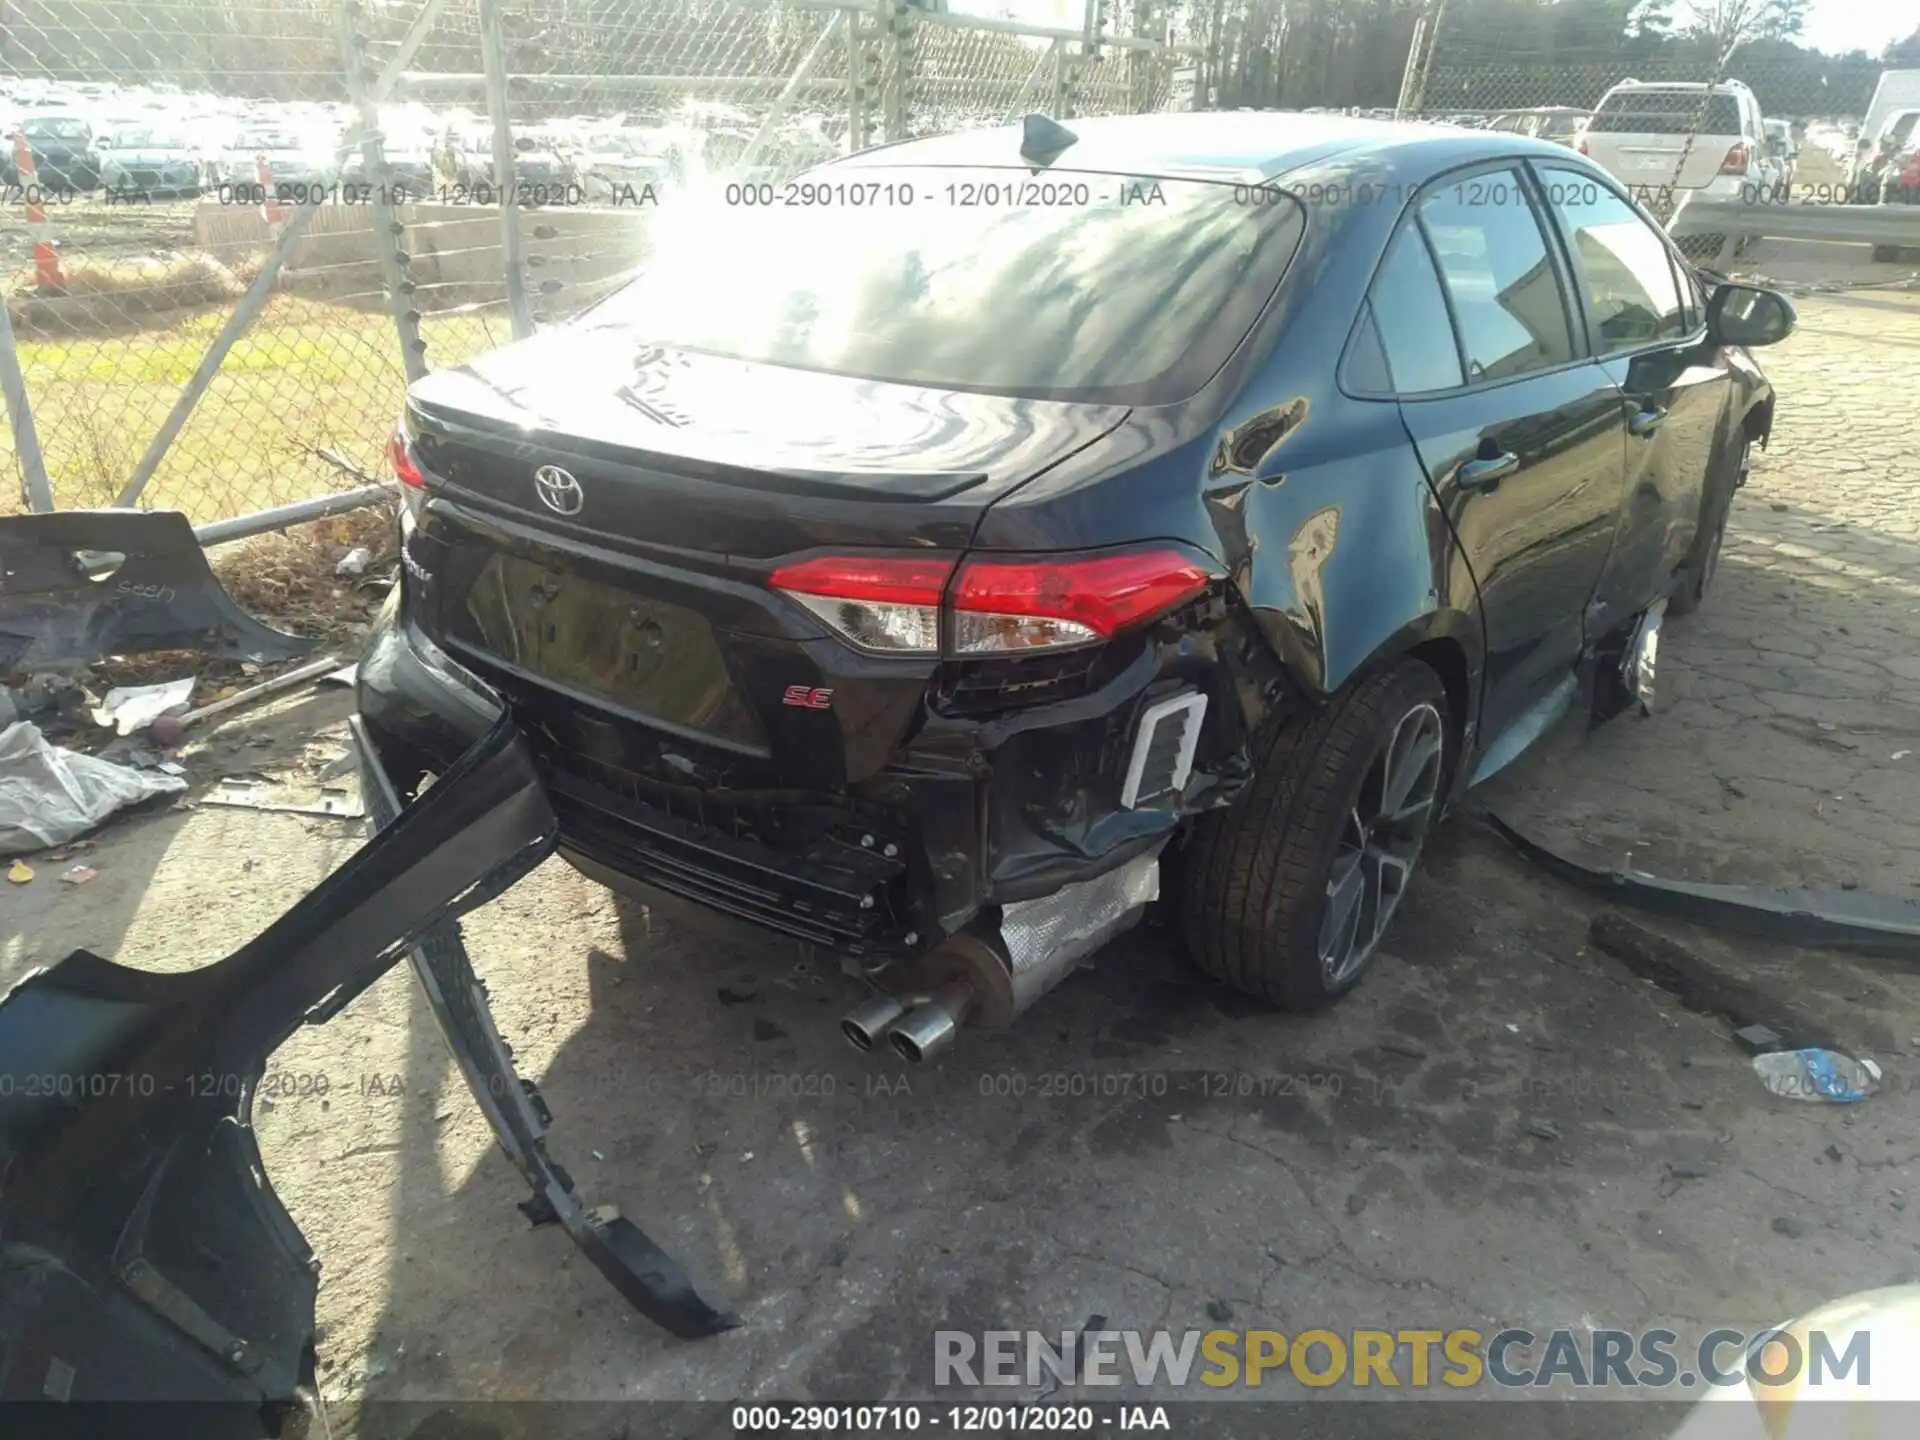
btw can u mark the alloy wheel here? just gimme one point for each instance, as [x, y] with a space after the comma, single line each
[1380, 841]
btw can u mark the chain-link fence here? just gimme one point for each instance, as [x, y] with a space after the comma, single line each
[1775, 153]
[217, 290]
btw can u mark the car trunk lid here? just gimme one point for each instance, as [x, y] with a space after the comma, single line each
[602, 520]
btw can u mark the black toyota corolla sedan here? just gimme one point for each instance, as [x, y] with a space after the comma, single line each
[942, 557]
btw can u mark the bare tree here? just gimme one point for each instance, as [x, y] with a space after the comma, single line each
[1729, 24]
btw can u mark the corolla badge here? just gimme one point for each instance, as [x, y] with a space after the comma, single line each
[558, 490]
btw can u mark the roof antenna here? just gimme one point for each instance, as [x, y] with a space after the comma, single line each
[1044, 140]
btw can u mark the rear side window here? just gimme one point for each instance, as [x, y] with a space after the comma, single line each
[1410, 314]
[1666, 112]
[1624, 266]
[1507, 301]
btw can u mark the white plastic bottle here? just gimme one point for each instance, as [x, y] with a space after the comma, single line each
[1819, 1075]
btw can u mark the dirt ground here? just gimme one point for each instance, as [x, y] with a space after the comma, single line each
[1503, 1126]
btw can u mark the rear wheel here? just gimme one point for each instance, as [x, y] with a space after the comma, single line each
[1287, 893]
[1696, 578]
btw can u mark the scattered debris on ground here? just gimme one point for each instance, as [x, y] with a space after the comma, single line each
[49, 795]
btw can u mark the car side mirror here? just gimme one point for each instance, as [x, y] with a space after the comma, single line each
[1747, 315]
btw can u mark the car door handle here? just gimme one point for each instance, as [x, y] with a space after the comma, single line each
[1486, 474]
[1647, 421]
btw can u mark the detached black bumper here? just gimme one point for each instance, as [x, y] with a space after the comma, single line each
[650, 1279]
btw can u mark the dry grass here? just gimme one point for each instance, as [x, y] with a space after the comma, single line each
[288, 578]
[306, 377]
[108, 296]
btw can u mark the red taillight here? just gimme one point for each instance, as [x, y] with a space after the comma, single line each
[1582, 146]
[997, 606]
[400, 457]
[1736, 161]
[885, 603]
[1043, 602]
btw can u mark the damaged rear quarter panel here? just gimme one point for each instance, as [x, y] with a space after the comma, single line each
[1314, 502]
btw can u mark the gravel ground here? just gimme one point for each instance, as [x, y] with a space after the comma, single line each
[1503, 1126]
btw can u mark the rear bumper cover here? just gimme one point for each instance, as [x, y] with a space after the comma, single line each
[972, 813]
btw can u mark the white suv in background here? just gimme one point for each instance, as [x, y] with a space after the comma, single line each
[1640, 132]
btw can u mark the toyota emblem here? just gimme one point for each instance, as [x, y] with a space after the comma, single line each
[558, 490]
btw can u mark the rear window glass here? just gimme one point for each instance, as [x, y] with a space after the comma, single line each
[1666, 112]
[61, 129]
[1062, 286]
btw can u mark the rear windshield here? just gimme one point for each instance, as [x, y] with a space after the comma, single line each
[1666, 112]
[1059, 286]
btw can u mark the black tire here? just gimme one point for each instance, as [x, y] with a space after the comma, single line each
[1255, 882]
[1703, 561]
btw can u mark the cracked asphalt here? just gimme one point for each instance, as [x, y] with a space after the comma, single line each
[1504, 1126]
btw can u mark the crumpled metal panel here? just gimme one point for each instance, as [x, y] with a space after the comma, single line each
[1046, 938]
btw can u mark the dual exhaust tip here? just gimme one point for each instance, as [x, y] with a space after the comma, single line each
[917, 1032]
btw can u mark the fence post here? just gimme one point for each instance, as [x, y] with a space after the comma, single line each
[26, 440]
[251, 304]
[859, 74]
[896, 33]
[386, 221]
[493, 56]
[1403, 103]
[1426, 60]
[796, 82]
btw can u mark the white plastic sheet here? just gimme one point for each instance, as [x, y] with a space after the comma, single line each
[49, 795]
[134, 707]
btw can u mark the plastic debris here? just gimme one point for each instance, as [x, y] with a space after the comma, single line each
[78, 874]
[49, 795]
[354, 562]
[19, 872]
[128, 708]
[1818, 1075]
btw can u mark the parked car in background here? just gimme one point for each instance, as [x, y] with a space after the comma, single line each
[1710, 139]
[925, 620]
[545, 163]
[1561, 124]
[150, 161]
[629, 157]
[292, 157]
[410, 165]
[1683, 139]
[1783, 154]
[1897, 90]
[65, 151]
[1899, 184]
[1880, 150]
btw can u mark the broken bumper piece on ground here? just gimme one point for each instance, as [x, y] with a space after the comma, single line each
[652, 1281]
[143, 1254]
[1856, 921]
[85, 584]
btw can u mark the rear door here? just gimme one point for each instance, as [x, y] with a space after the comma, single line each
[1650, 337]
[1520, 433]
